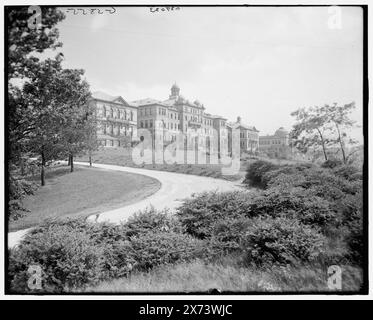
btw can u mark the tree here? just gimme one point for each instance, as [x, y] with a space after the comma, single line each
[22, 40]
[58, 99]
[49, 113]
[23, 43]
[324, 126]
[310, 129]
[78, 118]
[339, 117]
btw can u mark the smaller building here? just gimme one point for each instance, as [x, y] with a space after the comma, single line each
[249, 137]
[116, 120]
[277, 145]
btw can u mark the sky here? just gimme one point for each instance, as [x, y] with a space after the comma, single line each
[257, 63]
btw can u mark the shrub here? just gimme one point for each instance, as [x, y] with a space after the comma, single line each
[18, 189]
[67, 256]
[321, 182]
[327, 180]
[348, 172]
[74, 252]
[286, 170]
[151, 220]
[230, 230]
[256, 171]
[296, 202]
[281, 241]
[157, 248]
[355, 239]
[285, 181]
[227, 235]
[199, 213]
[351, 207]
[331, 163]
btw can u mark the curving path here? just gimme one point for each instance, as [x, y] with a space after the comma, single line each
[175, 187]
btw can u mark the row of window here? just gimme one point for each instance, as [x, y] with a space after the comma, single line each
[268, 142]
[192, 110]
[115, 129]
[149, 124]
[176, 115]
[161, 111]
[110, 143]
[251, 136]
[251, 144]
[116, 113]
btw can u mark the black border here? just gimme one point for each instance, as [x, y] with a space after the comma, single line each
[364, 290]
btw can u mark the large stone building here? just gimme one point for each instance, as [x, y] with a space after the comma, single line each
[177, 114]
[117, 120]
[276, 145]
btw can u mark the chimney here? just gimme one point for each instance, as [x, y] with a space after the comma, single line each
[238, 119]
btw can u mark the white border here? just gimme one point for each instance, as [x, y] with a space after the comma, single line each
[179, 297]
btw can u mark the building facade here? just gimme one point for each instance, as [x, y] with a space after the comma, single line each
[119, 122]
[249, 137]
[116, 120]
[177, 114]
[276, 145]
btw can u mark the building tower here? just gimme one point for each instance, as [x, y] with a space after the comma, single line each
[175, 91]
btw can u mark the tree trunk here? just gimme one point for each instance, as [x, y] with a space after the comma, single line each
[341, 144]
[90, 160]
[22, 167]
[71, 163]
[42, 172]
[323, 145]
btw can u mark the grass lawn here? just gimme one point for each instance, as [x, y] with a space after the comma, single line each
[84, 192]
[198, 276]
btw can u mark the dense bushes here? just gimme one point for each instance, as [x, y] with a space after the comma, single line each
[329, 197]
[156, 248]
[199, 213]
[295, 203]
[67, 256]
[305, 214]
[256, 171]
[348, 172]
[331, 163]
[151, 220]
[18, 189]
[281, 240]
[74, 252]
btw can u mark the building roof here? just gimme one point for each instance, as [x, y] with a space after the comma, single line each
[218, 117]
[144, 102]
[169, 102]
[279, 133]
[99, 95]
[246, 127]
[104, 96]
